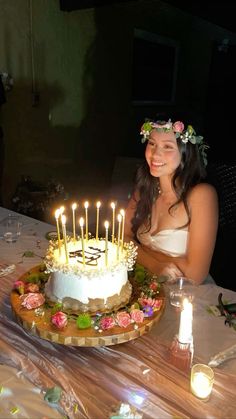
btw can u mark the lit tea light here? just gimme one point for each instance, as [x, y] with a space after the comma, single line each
[106, 224]
[57, 215]
[63, 222]
[113, 206]
[98, 205]
[119, 219]
[202, 379]
[74, 206]
[86, 205]
[81, 223]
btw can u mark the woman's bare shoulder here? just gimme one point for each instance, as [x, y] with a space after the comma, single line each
[203, 191]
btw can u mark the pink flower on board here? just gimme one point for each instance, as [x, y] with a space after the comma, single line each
[32, 300]
[178, 126]
[19, 286]
[123, 319]
[151, 302]
[107, 323]
[59, 320]
[153, 286]
[137, 315]
[29, 287]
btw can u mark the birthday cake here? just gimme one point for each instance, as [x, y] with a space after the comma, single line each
[91, 276]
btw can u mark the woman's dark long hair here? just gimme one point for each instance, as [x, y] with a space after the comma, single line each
[189, 173]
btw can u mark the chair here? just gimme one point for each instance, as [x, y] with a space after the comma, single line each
[223, 177]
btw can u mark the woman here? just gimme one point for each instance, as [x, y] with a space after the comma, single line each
[173, 215]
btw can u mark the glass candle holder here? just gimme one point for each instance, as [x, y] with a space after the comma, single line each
[202, 378]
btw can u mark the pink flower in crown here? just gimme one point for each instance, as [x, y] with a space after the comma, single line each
[32, 300]
[137, 315]
[107, 323]
[178, 126]
[29, 287]
[59, 320]
[123, 319]
[19, 286]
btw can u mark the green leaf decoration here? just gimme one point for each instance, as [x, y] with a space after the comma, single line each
[43, 277]
[28, 254]
[139, 268]
[53, 394]
[33, 278]
[83, 321]
[140, 277]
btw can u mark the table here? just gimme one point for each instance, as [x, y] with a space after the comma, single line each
[96, 380]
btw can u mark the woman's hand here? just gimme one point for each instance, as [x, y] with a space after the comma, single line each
[171, 271]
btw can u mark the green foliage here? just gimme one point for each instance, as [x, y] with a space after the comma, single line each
[83, 321]
[53, 394]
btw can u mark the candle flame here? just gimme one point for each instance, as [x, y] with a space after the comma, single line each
[122, 212]
[119, 218]
[62, 209]
[106, 224]
[81, 222]
[57, 213]
[113, 205]
[74, 206]
[63, 219]
[98, 204]
[86, 205]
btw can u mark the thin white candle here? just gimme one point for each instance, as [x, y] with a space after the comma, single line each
[97, 222]
[63, 222]
[119, 218]
[81, 223]
[186, 319]
[106, 224]
[86, 205]
[122, 212]
[113, 206]
[57, 215]
[74, 206]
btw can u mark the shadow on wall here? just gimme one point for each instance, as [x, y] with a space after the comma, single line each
[33, 146]
[105, 131]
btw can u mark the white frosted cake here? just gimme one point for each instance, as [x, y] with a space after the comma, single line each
[89, 280]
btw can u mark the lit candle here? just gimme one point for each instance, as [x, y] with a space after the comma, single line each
[122, 212]
[202, 378]
[97, 223]
[119, 218]
[86, 205]
[106, 224]
[81, 223]
[63, 222]
[113, 206]
[74, 206]
[57, 215]
[186, 319]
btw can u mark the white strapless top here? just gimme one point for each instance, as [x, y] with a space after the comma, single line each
[171, 242]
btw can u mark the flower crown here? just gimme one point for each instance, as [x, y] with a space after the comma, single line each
[186, 135]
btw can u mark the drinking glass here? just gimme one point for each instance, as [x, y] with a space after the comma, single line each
[180, 288]
[12, 228]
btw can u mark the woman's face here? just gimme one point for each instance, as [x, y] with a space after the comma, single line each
[162, 153]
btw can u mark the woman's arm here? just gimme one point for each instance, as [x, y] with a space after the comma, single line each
[154, 261]
[203, 202]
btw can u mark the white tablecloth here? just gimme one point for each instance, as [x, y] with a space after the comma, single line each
[101, 382]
